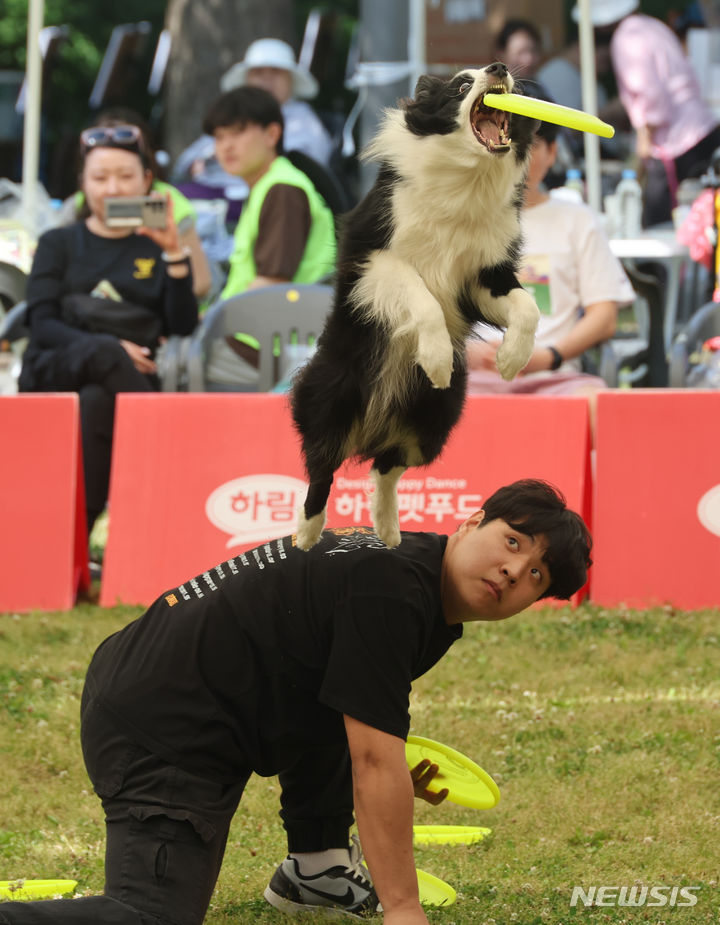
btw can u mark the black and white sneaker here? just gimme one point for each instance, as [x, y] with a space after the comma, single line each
[337, 891]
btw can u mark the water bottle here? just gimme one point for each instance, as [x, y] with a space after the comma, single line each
[574, 188]
[706, 374]
[629, 198]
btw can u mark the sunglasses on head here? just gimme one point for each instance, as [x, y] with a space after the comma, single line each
[123, 135]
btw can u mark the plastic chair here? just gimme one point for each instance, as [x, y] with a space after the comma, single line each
[13, 284]
[13, 325]
[601, 360]
[703, 324]
[13, 331]
[276, 316]
[171, 359]
[637, 358]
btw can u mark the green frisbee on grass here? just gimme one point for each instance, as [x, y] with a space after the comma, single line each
[467, 783]
[35, 889]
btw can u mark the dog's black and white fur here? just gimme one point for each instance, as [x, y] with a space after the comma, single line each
[430, 251]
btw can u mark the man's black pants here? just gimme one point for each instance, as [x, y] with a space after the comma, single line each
[167, 828]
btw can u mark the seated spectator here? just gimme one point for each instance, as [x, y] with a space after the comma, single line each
[561, 79]
[183, 210]
[286, 231]
[100, 299]
[271, 65]
[519, 46]
[577, 284]
[676, 131]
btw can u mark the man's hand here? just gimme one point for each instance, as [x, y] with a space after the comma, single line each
[481, 355]
[383, 796]
[422, 774]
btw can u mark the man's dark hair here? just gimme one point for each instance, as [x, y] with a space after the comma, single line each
[516, 25]
[244, 106]
[534, 507]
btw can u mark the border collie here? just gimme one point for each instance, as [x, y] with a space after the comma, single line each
[430, 251]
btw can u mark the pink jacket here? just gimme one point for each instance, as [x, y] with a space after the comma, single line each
[658, 87]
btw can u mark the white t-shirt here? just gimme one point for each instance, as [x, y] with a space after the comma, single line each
[566, 264]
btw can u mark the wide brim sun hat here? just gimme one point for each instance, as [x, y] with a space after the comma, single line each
[271, 53]
[606, 12]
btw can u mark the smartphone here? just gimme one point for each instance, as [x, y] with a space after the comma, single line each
[133, 211]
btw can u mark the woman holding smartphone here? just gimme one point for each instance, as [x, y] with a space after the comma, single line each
[100, 299]
[75, 207]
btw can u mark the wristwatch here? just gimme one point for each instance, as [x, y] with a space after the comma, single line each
[557, 359]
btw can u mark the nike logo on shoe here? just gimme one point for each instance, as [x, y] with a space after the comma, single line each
[346, 899]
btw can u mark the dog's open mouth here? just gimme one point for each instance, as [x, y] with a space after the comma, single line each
[490, 126]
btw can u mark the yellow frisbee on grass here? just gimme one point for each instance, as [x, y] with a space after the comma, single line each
[467, 783]
[434, 891]
[35, 889]
[449, 834]
[549, 112]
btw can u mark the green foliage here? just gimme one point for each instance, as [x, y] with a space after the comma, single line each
[66, 94]
[92, 23]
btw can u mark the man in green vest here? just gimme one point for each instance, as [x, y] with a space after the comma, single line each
[286, 232]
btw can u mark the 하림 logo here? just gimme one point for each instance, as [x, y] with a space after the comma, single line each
[256, 507]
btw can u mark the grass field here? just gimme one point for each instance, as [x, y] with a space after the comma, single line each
[601, 728]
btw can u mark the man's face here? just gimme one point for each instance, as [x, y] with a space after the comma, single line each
[491, 572]
[542, 157]
[245, 151]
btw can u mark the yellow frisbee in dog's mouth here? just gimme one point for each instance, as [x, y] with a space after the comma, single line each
[35, 889]
[490, 126]
[549, 112]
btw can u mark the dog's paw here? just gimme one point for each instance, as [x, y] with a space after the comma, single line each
[435, 357]
[384, 506]
[513, 355]
[309, 531]
[388, 534]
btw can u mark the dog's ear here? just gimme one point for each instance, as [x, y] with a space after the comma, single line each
[433, 110]
[427, 85]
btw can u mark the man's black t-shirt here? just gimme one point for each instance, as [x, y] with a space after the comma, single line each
[253, 661]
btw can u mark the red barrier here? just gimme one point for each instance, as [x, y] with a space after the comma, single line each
[43, 540]
[657, 499]
[198, 478]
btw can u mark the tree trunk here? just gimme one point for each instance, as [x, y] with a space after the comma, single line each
[208, 37]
